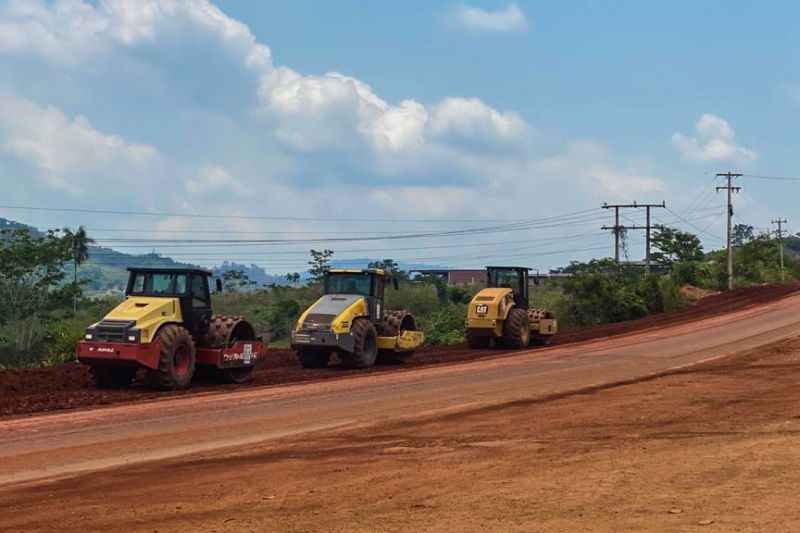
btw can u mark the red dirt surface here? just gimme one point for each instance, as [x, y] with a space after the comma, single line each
[69, 386]
[711, 448]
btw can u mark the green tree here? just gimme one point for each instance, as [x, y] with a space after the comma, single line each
[758, 260]
[741, 233]
[391, 267]
[236, 281]
[79, 243]
[293, 277]
[320, 262]
[31, 285]
[675, 246]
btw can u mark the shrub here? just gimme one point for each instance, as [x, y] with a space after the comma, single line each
[62, 339]
[446, 326]
[419, 300]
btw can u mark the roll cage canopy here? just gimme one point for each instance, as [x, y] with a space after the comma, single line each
[178, 282]
[512, 277]
[366, 282]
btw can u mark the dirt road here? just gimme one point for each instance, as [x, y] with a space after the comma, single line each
[68, 386]
[344, 455]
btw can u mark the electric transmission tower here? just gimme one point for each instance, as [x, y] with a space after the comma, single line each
[619, 231]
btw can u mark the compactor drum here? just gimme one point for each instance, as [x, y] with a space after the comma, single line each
[500, 312]
[165, 326]
[350, 320]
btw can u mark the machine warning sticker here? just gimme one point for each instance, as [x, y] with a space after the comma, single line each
[248, 353]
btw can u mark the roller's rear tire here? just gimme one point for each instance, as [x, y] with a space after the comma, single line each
[365, 351]
[236, 375]
[476, 341]
[112, 378]
[176, 361]
[517, 329]
[388, 357]
[541, 340]
[313, 359]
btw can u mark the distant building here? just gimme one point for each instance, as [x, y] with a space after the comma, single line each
[456, 277]
[475, 277]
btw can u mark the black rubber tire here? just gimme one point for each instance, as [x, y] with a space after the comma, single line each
[310, 358]
[540, 340]
[516, 329]
[236, 375]
[106, 377]
[389, 357]
[173, 373]
[475, 341]
[365, 351]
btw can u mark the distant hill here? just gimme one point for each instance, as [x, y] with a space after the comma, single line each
[107, 273]
[253, 272]
[12, 224]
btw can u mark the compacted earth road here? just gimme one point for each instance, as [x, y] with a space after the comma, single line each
[681, 426]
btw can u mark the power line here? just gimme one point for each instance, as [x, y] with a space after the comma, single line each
[776, 178]
[183, 243]
[701, 230]
[259, 217]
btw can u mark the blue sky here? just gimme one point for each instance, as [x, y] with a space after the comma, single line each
[442, 111]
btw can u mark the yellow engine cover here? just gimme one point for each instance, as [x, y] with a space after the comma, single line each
[489, 308]
[149, 313]
[334, 312]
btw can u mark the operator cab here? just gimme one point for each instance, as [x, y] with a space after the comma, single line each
[188, 285]
[361, 282]
[369, 283]
[514, 278]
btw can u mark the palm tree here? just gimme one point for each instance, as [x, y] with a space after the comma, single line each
[79, 243]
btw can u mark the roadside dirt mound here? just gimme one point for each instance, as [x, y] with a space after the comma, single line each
[690, 294]
[69, 385]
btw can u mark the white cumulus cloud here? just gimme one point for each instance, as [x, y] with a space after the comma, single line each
[714, 142]
[335, 110]
[63, 148]
[73, 31]
[212, 180]
[620, 184]
[509, 20]
[284, 143]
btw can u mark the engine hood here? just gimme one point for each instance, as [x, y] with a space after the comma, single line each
[332, 312]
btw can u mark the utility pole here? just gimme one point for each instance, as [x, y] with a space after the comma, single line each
[729, 176]
[618, 230]
[647, 233]
[779, 232]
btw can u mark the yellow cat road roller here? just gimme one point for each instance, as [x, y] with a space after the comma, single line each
[501, 312]
[165, 326]
[350, 320]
